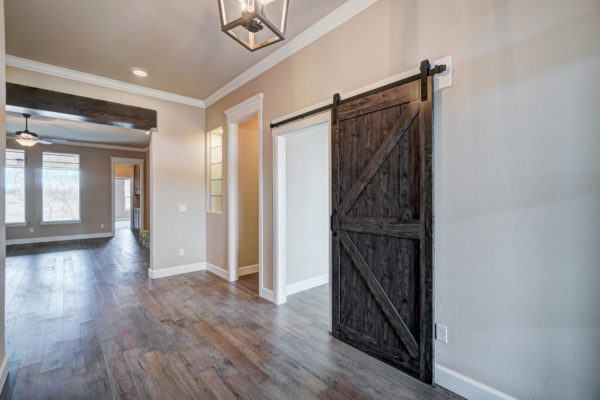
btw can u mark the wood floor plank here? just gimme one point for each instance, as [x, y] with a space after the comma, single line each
[83, 321]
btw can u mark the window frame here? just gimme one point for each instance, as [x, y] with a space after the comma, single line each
[65, 222]
[209, 163]
[24, 222]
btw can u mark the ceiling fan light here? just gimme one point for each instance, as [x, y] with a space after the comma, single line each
[244, 21]
[26, 142]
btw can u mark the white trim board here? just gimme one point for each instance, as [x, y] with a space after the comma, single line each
[53, 70]
[440, 81]
[301, 286]
[326, 24]
[218, 271]
[248, 269]
[154, 273]
[467, 387]
[59, 238]
[3, 372]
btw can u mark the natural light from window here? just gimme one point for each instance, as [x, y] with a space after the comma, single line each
[15, 186]
[60, 187]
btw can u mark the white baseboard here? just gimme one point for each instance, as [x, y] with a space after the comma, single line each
[467, 387]
[3, 372]
[248, 269]
[59, 238]
[178, 270]
[267, 294]
[218, 271]
[306, 284]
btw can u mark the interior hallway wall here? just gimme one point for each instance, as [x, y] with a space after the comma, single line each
[517, 174]
[307, 204]
[248, 193]
[176, 167]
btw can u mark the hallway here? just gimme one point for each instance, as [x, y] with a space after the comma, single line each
[84, 321]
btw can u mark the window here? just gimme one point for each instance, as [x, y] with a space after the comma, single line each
[15, 186]
[215, 170]
[127, 192]
[60, 187]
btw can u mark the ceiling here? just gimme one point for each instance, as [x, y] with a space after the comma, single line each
[52, 128]
[179, 43]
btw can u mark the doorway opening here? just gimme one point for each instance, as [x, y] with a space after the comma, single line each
[127, 194]
[302, 206]
[245, 196]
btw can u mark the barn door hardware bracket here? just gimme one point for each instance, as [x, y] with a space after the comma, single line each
[426, 71]
[336, 103]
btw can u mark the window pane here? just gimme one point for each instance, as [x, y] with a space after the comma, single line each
[215, 171]
[216, 203]
[15, 186]
[216, 155]
[215, 139]
[60, 187]
[215, 187]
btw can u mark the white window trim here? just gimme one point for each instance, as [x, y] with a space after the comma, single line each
[65, 222]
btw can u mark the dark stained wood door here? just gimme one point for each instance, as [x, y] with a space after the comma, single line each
[382, 226]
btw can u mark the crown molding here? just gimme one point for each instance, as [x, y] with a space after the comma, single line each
[35, 66]
[326, 24]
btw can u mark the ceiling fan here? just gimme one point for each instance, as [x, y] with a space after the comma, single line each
[27, 138]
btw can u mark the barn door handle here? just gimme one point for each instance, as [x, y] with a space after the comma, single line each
[335, 224]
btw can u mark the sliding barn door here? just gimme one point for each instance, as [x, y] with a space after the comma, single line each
[382, 225]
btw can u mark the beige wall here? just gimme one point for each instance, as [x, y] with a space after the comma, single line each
[516, 174]
[248, 193]
[124, 170]
[2, 161]
[95, 191]
[176, 167]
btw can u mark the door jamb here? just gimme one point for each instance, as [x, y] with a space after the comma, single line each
[236, 115]
[279, 198]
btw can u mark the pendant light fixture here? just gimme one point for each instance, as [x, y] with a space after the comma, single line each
[254, 23]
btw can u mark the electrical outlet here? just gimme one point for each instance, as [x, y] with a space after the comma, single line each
[31, 230]
[182, 208]
[181, 252]
[441, 333]
[102, 226]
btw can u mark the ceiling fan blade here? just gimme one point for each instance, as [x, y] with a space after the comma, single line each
[55, 140]
[12, 137]
[41, 141]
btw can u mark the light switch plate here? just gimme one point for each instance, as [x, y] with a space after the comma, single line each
[445, 79]
[441, 333]
[181, 252]
[182, 208]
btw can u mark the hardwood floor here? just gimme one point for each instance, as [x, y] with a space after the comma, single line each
[84, 321]
[249, 282]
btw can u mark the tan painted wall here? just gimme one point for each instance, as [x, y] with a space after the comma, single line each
[516, 174]
[176, 167]
[124, 170]
[95, 191]
[248, 193]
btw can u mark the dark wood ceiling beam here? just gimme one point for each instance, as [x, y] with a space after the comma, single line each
[48, 103]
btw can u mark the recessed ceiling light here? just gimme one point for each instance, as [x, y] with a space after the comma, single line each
[139, 72]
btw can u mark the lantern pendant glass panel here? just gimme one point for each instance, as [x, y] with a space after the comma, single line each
[254, 23]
